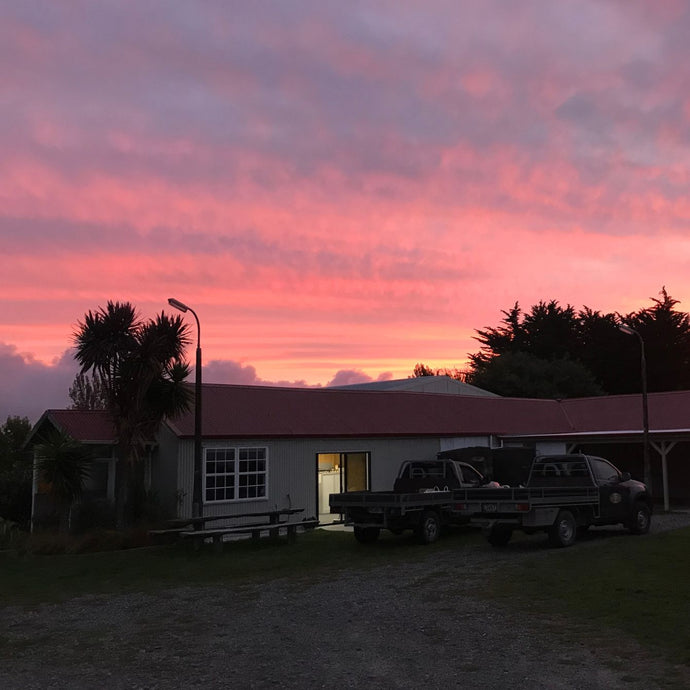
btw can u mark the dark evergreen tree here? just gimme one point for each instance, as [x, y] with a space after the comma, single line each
[592, 340]
[666, 335]
[16, 465]
[524, 375]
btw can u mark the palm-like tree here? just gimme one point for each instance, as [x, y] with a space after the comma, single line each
[142, 365]
[63, 465]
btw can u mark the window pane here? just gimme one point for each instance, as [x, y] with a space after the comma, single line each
[235, 473]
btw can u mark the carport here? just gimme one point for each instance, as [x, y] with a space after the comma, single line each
[611, 426]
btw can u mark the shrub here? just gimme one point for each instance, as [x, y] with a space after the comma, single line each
[52, 543]
[94, 514]
[11, 536]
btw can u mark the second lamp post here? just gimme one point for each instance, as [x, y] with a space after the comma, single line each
[645, 410]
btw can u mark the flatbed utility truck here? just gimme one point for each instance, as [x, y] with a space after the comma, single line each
[563, 495]
[422, 500]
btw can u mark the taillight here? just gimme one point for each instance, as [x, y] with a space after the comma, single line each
[522, 507]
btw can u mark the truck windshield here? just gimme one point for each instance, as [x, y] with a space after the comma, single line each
[424, 470]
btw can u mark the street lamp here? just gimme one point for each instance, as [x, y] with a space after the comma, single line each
[645, 410]
[196, 487]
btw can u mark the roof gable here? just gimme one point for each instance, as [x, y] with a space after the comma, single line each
[421, 384]
[87, 426]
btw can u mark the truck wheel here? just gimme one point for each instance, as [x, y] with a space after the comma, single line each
[429, 528]
[641, 519]
[499, 536]
[366, 535]
[563, 532]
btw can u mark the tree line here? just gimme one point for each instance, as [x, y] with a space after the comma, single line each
[556, 351]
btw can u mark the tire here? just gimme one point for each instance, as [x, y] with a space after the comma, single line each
[366, 535]
[641, 518]
[563, 532]
[499, 536]
[429, 528]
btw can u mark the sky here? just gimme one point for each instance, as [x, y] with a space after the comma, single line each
[339, 189]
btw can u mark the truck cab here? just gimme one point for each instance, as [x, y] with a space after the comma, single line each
[436, 475]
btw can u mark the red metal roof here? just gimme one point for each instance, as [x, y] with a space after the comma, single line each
[82, 425]
[667, 412]
[258, 411]
[233, 411]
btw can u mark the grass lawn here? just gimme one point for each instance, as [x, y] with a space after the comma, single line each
[31, 579]
[637, 585]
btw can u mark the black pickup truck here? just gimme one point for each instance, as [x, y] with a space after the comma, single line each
[564, 495]
[422, 500]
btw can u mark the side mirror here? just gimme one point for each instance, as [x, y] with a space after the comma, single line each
[625, 477]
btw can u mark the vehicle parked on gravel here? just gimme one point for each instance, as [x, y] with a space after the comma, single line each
[564, 495]
[422, 500]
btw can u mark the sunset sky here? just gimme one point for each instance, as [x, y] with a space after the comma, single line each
[339, 189]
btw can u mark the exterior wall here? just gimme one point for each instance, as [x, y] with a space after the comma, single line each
[164, 472]
[293, 472]
[386, 454]
[551, 447]
[291, 477]
[292, 468]
[452, 443]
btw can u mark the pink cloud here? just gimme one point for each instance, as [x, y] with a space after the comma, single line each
[29, 387]
[347, 188]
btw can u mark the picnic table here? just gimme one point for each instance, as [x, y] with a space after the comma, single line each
[268, 521]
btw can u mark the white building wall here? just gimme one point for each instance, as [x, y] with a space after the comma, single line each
[293, 472]
[292, 468]
[465, 442]
[551, 447]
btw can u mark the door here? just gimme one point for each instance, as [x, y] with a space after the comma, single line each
[339, 473]
[614, 502]
[354, 468]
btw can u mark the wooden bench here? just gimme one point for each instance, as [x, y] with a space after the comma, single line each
[200, 522]
[255, 530]
[178, 527]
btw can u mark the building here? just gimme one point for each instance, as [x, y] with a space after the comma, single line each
[267, 447]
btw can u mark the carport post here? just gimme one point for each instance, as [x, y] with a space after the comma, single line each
[664, 448]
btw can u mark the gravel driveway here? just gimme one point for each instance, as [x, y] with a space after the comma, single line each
[381, 629]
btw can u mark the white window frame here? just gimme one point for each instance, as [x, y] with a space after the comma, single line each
[233, 454]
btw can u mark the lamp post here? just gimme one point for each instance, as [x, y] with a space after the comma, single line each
[645, 410]
[196, 487]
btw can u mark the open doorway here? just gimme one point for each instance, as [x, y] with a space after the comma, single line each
[339, 473]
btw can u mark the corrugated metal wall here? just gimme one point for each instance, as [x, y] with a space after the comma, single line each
[292, 469]
[164, 473]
